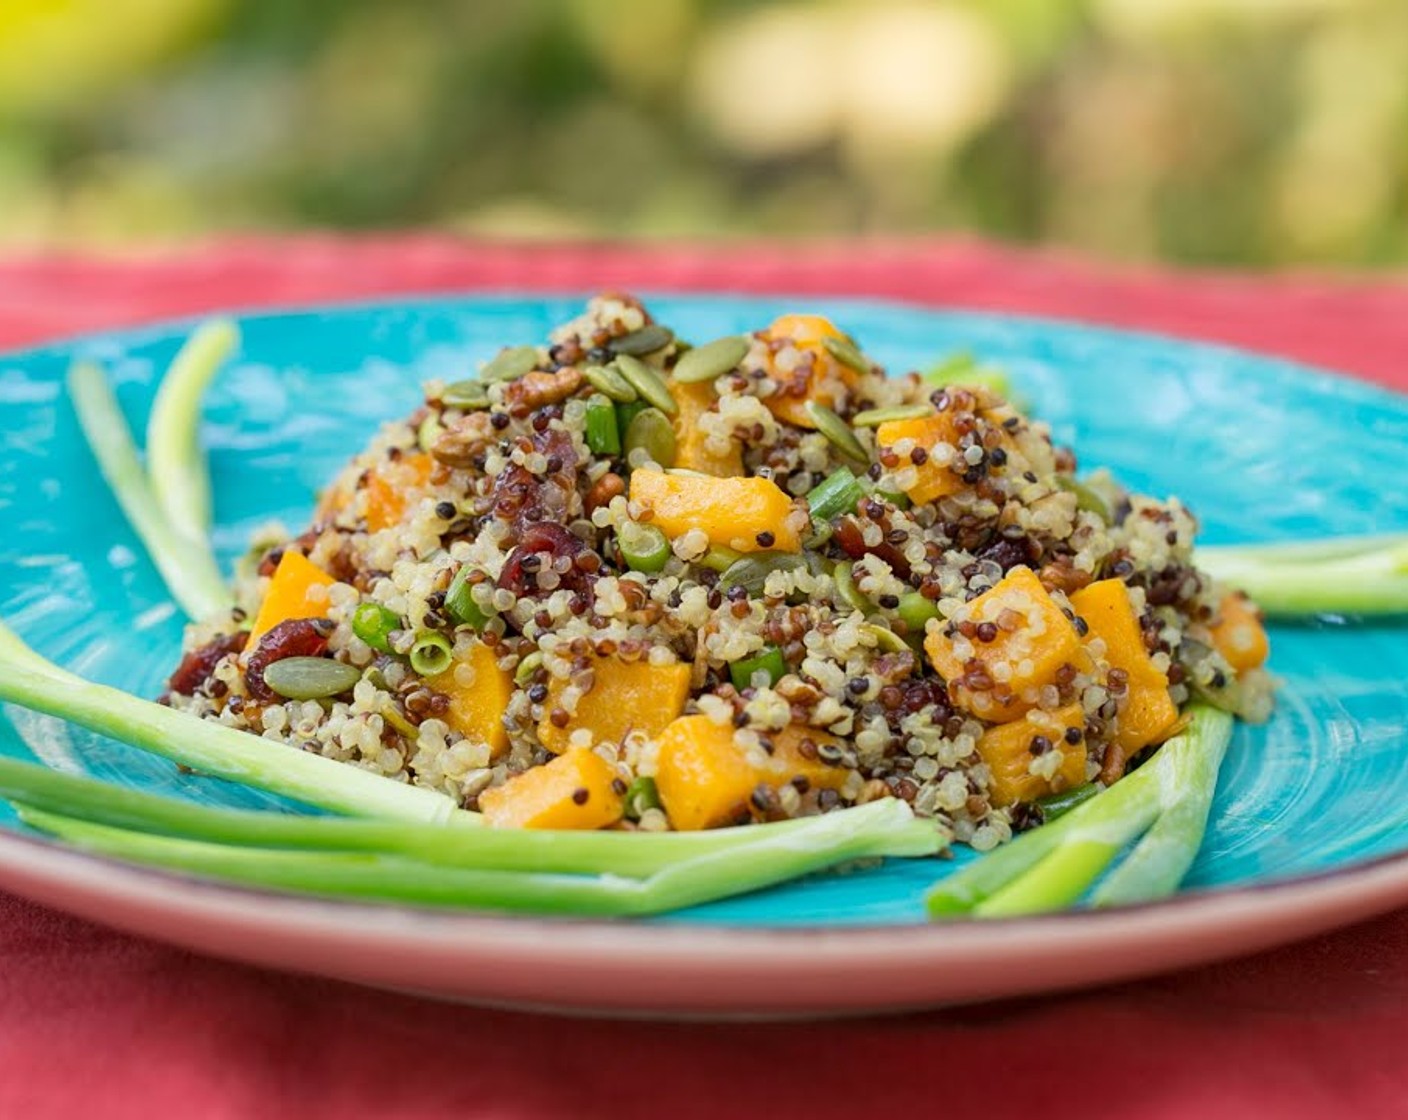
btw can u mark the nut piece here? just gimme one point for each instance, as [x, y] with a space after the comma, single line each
[457, 445]
[608, 486]
[536, 389]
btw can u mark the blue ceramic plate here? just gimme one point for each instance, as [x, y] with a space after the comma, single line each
[1260, 449]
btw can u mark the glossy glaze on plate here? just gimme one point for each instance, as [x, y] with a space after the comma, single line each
[1260, 449]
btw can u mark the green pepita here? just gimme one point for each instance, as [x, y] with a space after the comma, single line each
[510, 364]
[650, 431]
[392, 715]
[712, 360]
[428, 432]
[609, 383]
[469, 396]
[310, 678]
[645, 381]
[846, 588]
[847, 353]
[527, 668]
[874, 417]
[1086, 498]
[837, 431]
[752, 571]
[646, 340]
[885, 639]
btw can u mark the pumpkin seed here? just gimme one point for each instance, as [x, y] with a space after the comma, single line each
[428, 432]
[848, 591]
[647, 340]
[610, 383]
[847, 353]
[650, 431]
[470, 396]
[392, 715]
[527, 668]
[647, 383]
[510, 364]
[713, 359]
[874, 417]
[1086, 498]
[720, 558]
[752, 571]
[837, 431]
[885, 638]
[310, 678]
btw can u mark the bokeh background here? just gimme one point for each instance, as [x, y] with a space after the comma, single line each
[1225, 132]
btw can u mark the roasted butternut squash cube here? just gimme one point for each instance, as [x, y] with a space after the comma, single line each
[1238, 633]
[825, 382]
[297, 589]
[391, 487]
[1012, 750]
[574, 790]
[1148, 713]
[705, 779]
[1032, 640]
[934, 477]
[479, 693]
[625, 696]
[693, 450]
[732, 512]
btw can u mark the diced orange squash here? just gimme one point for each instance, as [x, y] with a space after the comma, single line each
[574, 790]
[297, 589]
[706, 780]
[827, 378]
[391, 486]
[625, 696]
[1238, 633]
[1149, 712]
[1034, 640]
[1007, 750]
[934, 479]
[479, 692]
[732, 512]
[692, 450]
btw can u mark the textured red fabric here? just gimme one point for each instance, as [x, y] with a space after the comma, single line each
[95, 1023]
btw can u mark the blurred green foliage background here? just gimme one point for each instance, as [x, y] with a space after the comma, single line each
[1262, 132]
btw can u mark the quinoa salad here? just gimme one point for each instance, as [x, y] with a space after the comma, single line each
[616, 580]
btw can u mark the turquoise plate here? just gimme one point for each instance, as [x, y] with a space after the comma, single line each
[1260, 449]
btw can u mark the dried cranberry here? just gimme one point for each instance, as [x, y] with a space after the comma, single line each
[851, 538]
[196, 666]
[541, 538]
[1007, 553]
[298, 637]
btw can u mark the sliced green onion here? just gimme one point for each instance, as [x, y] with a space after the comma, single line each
[185, 563]
[431, 654]
[176, 464]
[460, 604]
[644, 548]
[374, 623]
[885, 827]
[641, 795]
[211, 748]
[603, 436]
[836, 494]
[769, 660]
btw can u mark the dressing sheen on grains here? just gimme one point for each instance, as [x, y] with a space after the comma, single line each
[763, 590]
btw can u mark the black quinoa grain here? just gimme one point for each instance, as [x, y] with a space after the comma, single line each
[986, 632]
[1040, 745]
[765, 539]
[500, 420]
[581, 795]
[858, 685]
[1074, 735]
[538, 693]
[445, 511]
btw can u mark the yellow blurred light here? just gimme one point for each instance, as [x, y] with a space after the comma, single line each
[1138, 20]
[640, 42]
[920, 75]
[55, 52]
[766, 81]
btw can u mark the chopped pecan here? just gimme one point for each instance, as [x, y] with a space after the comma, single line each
[464, 439]
[533, 390]
[1062, 575]
[608, 486]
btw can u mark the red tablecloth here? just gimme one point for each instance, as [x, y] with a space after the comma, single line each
[94, 1023]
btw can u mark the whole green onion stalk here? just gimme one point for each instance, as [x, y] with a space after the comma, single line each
[1344, 575]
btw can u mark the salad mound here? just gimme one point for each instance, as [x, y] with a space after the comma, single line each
[616, 580]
